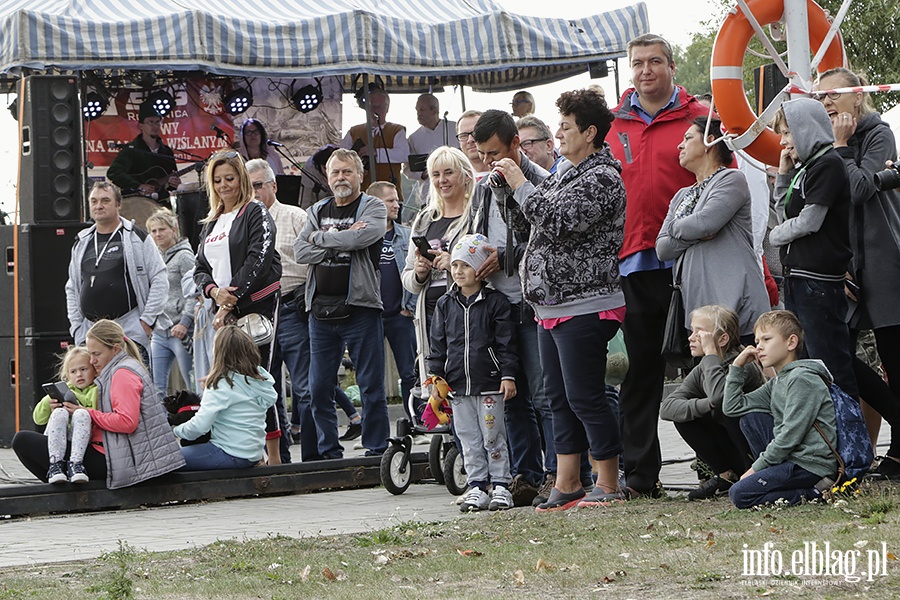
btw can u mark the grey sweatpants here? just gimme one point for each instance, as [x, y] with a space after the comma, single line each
[481, 429]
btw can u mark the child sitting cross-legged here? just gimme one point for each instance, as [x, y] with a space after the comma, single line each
[472, 348]
[794, 461]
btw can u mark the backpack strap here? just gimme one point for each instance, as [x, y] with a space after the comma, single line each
[841, 474]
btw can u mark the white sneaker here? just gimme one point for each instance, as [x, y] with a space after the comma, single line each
[461, 499]
[476, 499]
[501, 498]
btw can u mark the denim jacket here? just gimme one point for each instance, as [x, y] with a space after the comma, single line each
[401, 248]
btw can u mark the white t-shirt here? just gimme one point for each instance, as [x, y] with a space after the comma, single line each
[216, 250]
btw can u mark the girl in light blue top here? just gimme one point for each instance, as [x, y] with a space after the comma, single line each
[233, 410]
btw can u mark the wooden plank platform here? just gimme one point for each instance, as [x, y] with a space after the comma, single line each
[294, 478]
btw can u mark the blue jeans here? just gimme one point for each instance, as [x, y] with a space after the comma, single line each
[522, 411]
[821, 307]
[363, 335]
[293, 343]
[401, 335]
[165, 348]
[573, 356]
[785, 481]
[203, 457]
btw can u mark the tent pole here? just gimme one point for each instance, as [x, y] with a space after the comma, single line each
[369, 135]
[462, 96]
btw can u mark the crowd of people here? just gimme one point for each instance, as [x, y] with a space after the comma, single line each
[507, 274]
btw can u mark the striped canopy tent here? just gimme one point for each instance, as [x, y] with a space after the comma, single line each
[410, 43]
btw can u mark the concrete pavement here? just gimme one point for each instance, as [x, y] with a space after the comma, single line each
[61, 538]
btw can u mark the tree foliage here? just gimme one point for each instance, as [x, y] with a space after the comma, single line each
[870, 37]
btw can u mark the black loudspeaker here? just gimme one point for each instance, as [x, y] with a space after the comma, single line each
[7, 279]
[38, 363]
[769, 82]
[51, 187]
[42, 271]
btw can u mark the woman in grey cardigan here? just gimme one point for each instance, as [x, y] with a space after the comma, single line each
[708, 232]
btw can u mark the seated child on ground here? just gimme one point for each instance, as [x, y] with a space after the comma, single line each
[794, 461]
[76, 371]
[472, 347]
[696, 406]
[233, 410]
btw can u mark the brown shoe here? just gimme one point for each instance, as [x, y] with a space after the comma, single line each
[543, 493]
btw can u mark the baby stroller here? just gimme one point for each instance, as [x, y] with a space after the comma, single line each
[444, 458]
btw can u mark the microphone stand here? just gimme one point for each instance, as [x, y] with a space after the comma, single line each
[387, 153]
[317, 187]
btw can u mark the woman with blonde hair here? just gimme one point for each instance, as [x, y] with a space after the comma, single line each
[238, 267]
[174, 325]
[445, 219]
[129, 425]
[238, 394]
[696, 406]
[522, 104]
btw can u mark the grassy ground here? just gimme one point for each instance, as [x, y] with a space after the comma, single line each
[643, 549]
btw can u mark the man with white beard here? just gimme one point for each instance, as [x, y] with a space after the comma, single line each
[341, 242]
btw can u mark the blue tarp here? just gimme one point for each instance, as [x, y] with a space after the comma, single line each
[474, 42]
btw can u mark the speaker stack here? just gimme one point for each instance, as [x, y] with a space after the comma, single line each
[34, 326]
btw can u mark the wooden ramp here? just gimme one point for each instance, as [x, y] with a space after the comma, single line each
[294, 478]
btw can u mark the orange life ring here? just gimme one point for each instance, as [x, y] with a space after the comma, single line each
[726, 73]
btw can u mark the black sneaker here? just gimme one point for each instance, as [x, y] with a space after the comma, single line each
[523, 493]
[77, 474]
[655, 492]
[354, 430]
[57, 473]
[889, 468]
[710, 488]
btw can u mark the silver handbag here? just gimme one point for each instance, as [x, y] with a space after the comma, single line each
[258, 327]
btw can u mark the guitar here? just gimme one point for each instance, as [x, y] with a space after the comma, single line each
[158, 178]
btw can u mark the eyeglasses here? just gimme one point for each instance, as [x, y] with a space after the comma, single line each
[820, 96]
[464, 135]
[520, 101]
[257, 185]
[526, 144]
[252, 132]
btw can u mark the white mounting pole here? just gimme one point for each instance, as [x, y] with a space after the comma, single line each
[796, 21]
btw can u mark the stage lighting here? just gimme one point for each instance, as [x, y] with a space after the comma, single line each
[239, 100]
[162, 102]
[308, 98]
[94, 106]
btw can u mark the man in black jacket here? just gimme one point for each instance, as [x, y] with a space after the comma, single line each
[146, 166]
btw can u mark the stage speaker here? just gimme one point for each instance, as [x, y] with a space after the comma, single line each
[768, 82]
[51, 187]
[7, 293]
[42, 268]
[38, 363]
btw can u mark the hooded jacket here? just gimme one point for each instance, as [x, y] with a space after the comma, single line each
[234, 416]
[577, 219]
[472, 346]
[796, 398]
[650, 167]
[813, 245]
[146, 274]
[179, 259]
[874, 224]
[313, 245]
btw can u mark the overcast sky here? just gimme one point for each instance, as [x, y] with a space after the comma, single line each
[676, 21]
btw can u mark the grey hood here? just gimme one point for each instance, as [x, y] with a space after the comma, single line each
[809, 124]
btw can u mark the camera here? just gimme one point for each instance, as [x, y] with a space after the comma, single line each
[497, 180]
[884, 180]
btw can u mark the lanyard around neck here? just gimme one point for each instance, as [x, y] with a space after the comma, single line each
[99, 253]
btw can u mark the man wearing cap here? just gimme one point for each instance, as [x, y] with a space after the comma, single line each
[146, 166]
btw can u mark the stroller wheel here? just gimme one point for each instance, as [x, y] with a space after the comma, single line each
[395, 480]
[436, 457]
[454, 471]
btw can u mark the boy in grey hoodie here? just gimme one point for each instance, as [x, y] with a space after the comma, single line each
[793, 460]
[812, 201]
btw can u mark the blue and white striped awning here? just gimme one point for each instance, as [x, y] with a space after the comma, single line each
[451, 39]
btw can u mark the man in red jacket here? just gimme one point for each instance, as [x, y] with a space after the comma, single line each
[651, 119]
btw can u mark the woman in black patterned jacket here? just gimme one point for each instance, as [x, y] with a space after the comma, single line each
[570, 276]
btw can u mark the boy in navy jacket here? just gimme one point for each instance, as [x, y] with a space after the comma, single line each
[472, 347]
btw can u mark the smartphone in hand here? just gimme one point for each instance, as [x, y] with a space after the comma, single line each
[58, 391]
[424, 247]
